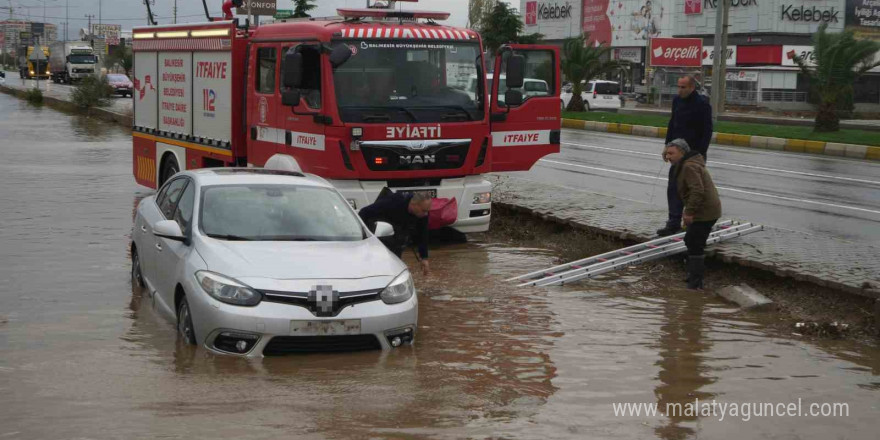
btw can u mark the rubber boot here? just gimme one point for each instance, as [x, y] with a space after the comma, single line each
[696, 271]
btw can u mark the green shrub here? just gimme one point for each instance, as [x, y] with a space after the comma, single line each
[34, 96]
[92, 92]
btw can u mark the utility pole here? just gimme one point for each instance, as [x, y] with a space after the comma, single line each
[67, 21]
[175, 11]
[100, 10]
[91, 40]
[719, 63]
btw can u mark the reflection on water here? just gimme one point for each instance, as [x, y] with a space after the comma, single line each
[683, 377]
[83, 355]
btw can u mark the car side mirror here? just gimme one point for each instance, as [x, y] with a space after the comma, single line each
[339, 55]
[293, 69]
[513, 98]
[168, 229]
[516, 71]
[384, 230]
[290, 98]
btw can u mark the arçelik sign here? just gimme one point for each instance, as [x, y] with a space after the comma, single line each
[546, 11]
[677, 52]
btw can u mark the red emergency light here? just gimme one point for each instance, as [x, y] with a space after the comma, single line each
[384, 13]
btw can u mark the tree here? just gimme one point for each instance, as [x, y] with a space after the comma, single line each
[583, 62]
[503, 25]
[477, 10]
[122, 56]
[840, 61]
[301, 8]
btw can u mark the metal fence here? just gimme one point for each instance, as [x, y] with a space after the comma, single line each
[770, 95]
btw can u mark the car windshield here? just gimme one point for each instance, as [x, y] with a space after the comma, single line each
[409, 81]
[83, 59]
[277, 213]
[119, 78]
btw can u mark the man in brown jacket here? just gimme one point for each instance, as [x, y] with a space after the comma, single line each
[702, 206]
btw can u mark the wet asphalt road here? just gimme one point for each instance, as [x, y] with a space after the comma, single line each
[83, 355]
[815, 194]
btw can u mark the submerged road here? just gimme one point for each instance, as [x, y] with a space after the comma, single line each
[816, 194]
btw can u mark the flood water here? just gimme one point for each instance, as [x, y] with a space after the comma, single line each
[83, 357]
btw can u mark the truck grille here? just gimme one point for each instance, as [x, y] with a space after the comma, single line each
[281, 345]
[436, 156]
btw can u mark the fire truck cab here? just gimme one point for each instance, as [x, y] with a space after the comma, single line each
[370, 99]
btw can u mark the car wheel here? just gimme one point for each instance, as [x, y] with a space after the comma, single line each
[169, 169]
[185, 324]
[137, 277]
[561, 105]
[587, 105]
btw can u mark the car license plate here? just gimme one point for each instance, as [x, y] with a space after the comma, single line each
[431, 192]
[607, 97]
[325, 328]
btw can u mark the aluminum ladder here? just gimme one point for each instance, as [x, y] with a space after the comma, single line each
[640, 253]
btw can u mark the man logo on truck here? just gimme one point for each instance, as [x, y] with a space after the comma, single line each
[414, 159]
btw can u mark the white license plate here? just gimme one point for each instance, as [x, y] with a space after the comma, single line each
[431, 192]
[607, 97]
[325, 328]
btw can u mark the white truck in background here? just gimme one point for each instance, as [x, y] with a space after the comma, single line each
[71, 60]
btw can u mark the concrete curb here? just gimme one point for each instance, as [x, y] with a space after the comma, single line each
[69, 107]
[853, 151]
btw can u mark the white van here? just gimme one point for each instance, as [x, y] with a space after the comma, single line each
[597, 94]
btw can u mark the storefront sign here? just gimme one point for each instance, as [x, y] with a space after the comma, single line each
[804, 52]
[793, 13]
[257, 7]
[743, 75]
[546, 11]
[631, 54]
[677, 52]
[712, 4]
[709, 56]
[693, 7]
[863, 18]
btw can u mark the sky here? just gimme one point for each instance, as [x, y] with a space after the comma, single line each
[130, 13]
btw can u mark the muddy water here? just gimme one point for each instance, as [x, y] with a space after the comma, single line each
[81, 356]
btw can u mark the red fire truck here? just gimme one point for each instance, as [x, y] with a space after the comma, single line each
[370, 99]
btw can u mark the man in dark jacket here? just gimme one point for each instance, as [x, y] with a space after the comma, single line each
[692, 121]
[702, 206]
[408, 214]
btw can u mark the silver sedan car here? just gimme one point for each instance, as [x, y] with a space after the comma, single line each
[254, 262]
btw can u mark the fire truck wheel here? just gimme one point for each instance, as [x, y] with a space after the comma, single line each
[169, 168]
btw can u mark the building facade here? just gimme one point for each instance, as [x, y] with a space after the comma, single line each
[15, 33]
[763, 38]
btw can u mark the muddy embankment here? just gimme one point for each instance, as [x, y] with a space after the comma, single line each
[802, 308]
[66, 106]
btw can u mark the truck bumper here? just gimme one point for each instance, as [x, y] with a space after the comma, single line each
[472, 217]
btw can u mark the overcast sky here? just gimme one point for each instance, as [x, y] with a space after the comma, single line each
[130, 13]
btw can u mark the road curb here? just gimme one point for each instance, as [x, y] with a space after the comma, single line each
[853, 151]
[67, 106]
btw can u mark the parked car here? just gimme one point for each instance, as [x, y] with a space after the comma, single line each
[598, 94]
[531, 87]
[255, 262]
[120, 83]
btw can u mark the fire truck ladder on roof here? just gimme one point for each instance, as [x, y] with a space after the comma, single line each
[607, 262]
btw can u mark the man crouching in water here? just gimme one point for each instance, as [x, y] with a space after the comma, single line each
[408, 214]
[702, 206]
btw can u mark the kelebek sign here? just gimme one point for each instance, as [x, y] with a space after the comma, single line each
[677, 52]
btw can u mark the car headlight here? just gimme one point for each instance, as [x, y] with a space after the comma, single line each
[400, 290]
[227, 290]
[482, 198]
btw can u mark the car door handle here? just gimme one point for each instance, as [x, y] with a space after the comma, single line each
[159, 247]
[143, 229]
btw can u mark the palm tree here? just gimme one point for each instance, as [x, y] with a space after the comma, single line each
[302, 7]
[840, 61]
[582, 62]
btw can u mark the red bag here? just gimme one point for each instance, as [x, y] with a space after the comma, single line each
[444, 212]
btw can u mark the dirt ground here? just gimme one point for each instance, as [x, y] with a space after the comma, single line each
[803, 308]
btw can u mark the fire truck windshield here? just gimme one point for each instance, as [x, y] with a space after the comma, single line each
[409, 81]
